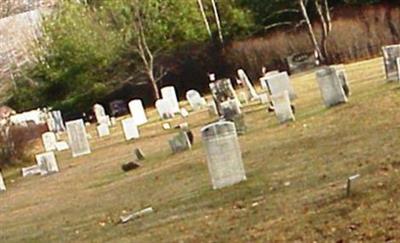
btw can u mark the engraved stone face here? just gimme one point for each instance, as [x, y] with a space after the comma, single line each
[331, 87]
[390, 55]
[47, 163]
[49, 141]
[282, 107]
[77, 138]
[223, 154]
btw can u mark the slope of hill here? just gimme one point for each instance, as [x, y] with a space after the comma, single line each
[294, 191]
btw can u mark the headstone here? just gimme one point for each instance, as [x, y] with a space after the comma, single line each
[103, 130]
[212, 109]
[2, 184]
[168, 93]
[180, 142]
[263, 79]
[230, 111]
[30, 171]
[398, 67]
[301, 62]
[58, 121]
[137, 112]
[139, 155]
[390, 55]
[223, 154]
[99, 112]
[341, 73]
[47, 163]
[163, 109]
[130, 129]
[283, 107]
[195, 100]
[104, 120]
[166, 126]
[222, 90]
[61, 146]
[77, 138]
[49, 141]
[331, 87]
[250, 88]
[278, 83]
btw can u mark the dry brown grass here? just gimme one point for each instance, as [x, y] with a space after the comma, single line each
[315, 154]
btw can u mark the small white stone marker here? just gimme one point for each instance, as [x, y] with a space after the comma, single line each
[130, 128]
[282, 106]
[349, 181]
[49, 141]
[136, 215]
[166, 126]
[30, 171]
[103, 130]
[61, 146]
[47, 163]
[184, 113]
[2, 185]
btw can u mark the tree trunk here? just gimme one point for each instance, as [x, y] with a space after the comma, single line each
[154, 86]
[218, 21]
[203, 14]
[311, 31]
[324, 14]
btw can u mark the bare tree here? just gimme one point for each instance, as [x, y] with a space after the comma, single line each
[217, 21]
[322, 7]
[204, 16]
[313, 37]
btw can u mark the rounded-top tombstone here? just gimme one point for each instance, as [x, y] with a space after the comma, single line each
[224, 157]
[137, 112]
[169, 93]
[163, 110]
[195, 100]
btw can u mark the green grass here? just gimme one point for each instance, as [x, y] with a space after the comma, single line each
[294, 192]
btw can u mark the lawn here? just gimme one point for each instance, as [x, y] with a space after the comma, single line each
[294, 192]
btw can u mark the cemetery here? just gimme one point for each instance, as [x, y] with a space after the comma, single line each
[199, 121]
[327, 162]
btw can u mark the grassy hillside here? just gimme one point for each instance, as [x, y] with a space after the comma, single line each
[294, 190]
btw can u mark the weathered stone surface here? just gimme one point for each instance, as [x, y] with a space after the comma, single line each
[331, 87]
[278, 83]
[138, 112]
[282, 106]
[47, 163]
[130, 129]
[2, 184]
[103, 130]
[168, 93]
[390, 55]
[180, 142]
[224, 157]
[77, 138]
[195, 100]
[49, 141]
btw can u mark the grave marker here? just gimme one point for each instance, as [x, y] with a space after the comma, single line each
[390, 55]
[103, 130]
[49, 141]
[47, 163]
[278, 83]
[30, 171]
[243, 77]
[2, 184]
[168, 93]
[180, 142]
[282, 106]
[99, 112]
[331, 87]
[61, 146]
[163, 109]
[130, 129]
[137, 112]
[195, 100]
[223, 154]
[77, 138]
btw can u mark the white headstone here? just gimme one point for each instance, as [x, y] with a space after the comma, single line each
[331, 87]
[99, 112]
[113, 121]
[105, 120]
[278, 83]
[103, 130]
[390, 55]
[168, 93]
[32, 170]
[282, 107]
[49, 141]
[223, 154]
[61, 146]
[47, 163]
[130, 128]
[2, 185]
[137, 112]
[58, 121]
[163, 109]
[77, 138]
[243, 77]
[195, 100]
[263, 80]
